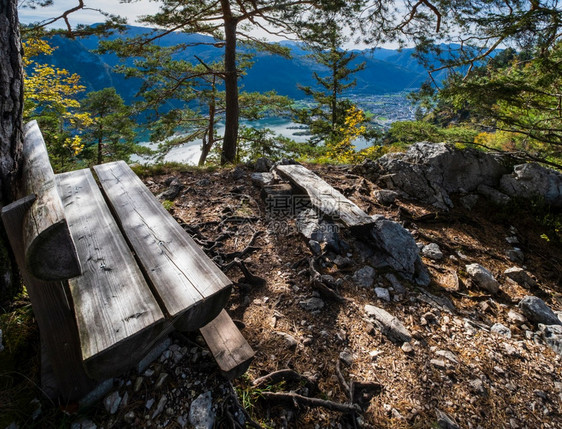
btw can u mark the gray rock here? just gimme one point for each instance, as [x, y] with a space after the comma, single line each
[500, 329]
[398, 249]
[520, 276]
[515, 255]
[450, 356]
[290, 341]
[385, 196]
[364, 277]
[445, 421]
[528, 180]
[477, 386]
[162, 378]
[438, 363]
[262, 179]
[237, 173]
[310, 224]
[382, 293]
[537, 311]
[172, 192]
[201, 414]
[263, 165]
[160, 406]
[407, 348]
[83, 423]
[494, 195]
[388, 324]
[312, 304]
[343, 261]
[396, 285]
[516, 317]
[111, 402]
[315, 247]
[482, 278]
[431, 171]
[469, 201]
[552, 336]
[432, 251]
[346, 357]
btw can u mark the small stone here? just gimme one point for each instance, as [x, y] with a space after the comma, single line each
[342, 261]
[149, 403]
[201, 413]
[483, 278]
[515, 255]
[111, 402]
[262, 179]
[346, 357]
[312, 304]
[552, 336]
[80, 424]
[389, 325]
[520, 276]
[537, 311]
[396, 285]
[450, 356]
[364, 277]
[161, 380]
[375, 353]
[512, 239]
[516, 317]
[477, 387]
[500, 329]
[407, 348]
[438, 363]
[149, 373]
[263, 164]
[160, 406]
[432, 251]
[385, 196]
[138, 384]
[290, 341]
[315, 247]
[129, 417]
[382, 293]
[1, 345]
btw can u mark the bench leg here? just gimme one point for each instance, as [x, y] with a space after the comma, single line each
[54, 316]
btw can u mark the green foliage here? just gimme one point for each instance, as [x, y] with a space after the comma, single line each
[327, 118]
[405, 133]
[110, 132]
[168, 205]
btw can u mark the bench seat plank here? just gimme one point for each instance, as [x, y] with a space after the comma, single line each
[192, 289]
[118, 318]
[228, 346]
[327, 199]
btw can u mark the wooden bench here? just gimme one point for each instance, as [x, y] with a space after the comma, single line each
[110, 272]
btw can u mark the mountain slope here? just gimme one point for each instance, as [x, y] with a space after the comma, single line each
[386, 71]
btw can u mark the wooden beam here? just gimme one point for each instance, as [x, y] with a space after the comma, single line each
[230, 349]
[118, 317]
[49, 250]
[325, 198]
[54, 316]
[192, 289]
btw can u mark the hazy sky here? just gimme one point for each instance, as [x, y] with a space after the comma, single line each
[130, 11]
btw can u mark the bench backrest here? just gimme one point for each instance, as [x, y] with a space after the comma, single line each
[50, 253]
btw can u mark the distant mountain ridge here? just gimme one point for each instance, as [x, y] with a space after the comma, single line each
[386, 71]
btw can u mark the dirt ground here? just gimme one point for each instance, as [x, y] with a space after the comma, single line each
[517, 375]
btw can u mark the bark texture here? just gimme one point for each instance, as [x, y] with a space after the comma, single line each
[11, 118]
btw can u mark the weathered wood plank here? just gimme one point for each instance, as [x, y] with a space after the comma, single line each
[191, 287]
[50, 253]
[55, 318]
[230, 349]
[325, 198]
[118, 317]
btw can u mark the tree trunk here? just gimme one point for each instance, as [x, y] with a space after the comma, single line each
[231, 86]
[11, 124]
[208, 144]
